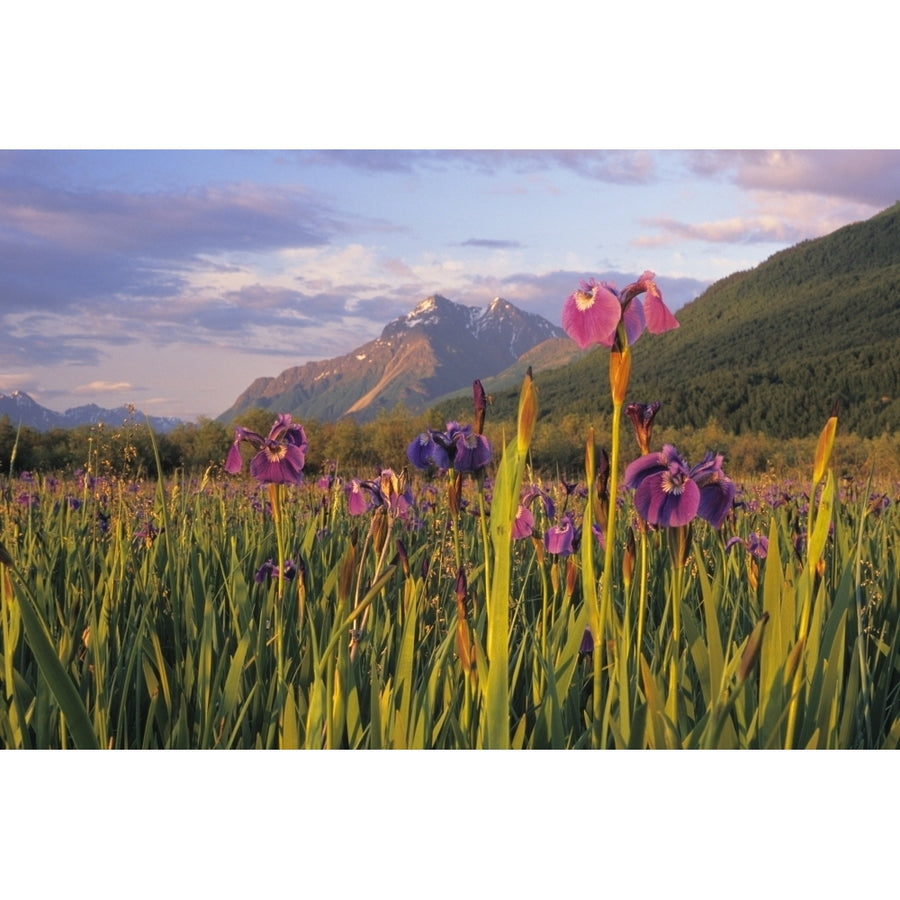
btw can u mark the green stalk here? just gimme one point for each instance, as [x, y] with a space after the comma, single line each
[865, 684]
[598, 736]
[589, 590]
[276, 493]
[503, 512]
[484, 531]
[642, 593]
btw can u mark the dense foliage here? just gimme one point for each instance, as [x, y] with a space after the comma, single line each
[141, 614]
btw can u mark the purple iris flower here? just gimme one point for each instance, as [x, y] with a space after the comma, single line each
[269, 569]
[716, 490]
[591, 314]
[280, 456]
[668, 493]
[459, 448]
[523, 524]
[357, 503]
[473, 450]
[587, 643]
[757, 544]
[664, 492]
[389, 490]
[534, 492]
[425, 452]
[560, 539]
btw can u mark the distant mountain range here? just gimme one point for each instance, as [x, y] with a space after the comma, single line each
[438, 348]
[22, 409]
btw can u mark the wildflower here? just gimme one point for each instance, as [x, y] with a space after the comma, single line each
[642, 416]
[424, 452]
[269, 569]
[656, 314]
[459, 448]
[473, 450]
[667, 493]
[523, 523]
[560, 539]
[587, 643]
[664, 492]
[536, 493]
[388, 490]
[716, 490]
[592, 313]
[756, 544]
[280, 456]
[357, 503]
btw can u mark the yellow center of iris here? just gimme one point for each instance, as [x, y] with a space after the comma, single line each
[584, 300]
[276, 452]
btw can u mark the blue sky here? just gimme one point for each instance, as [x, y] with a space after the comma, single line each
[171, 278]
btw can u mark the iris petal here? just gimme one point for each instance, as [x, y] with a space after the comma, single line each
[595, 324]
[657, 314]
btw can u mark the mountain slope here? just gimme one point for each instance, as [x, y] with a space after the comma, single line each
[439, 347]
[771, 349]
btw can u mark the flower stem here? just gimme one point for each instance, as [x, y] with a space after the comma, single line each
[275, 497]
[642, 594]
[598, 737]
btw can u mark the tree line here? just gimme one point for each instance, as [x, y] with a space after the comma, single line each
[355, 449]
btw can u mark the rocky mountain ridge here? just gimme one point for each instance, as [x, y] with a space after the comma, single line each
[439, 347]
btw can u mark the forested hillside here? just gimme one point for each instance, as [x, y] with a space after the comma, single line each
[769, 350]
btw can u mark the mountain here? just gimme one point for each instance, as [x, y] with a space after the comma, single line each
[22, 409]
[439, 347]
[768, 350]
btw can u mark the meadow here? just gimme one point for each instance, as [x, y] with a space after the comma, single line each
[458, 599]
[154, 613]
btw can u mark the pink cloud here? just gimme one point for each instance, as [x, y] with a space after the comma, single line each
[741, 229]
[870, 177]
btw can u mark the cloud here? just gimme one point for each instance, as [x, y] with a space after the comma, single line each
[489, 244]
[103, 387]
[63, 247]
[866, 177]
[615, 166]
[737, 230]
[51, 340]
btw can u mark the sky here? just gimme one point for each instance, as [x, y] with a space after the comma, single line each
[172, 279]
[155, 249]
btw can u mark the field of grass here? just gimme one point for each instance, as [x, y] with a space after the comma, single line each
[151, 614]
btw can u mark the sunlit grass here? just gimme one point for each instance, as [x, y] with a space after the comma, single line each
[132, 618]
